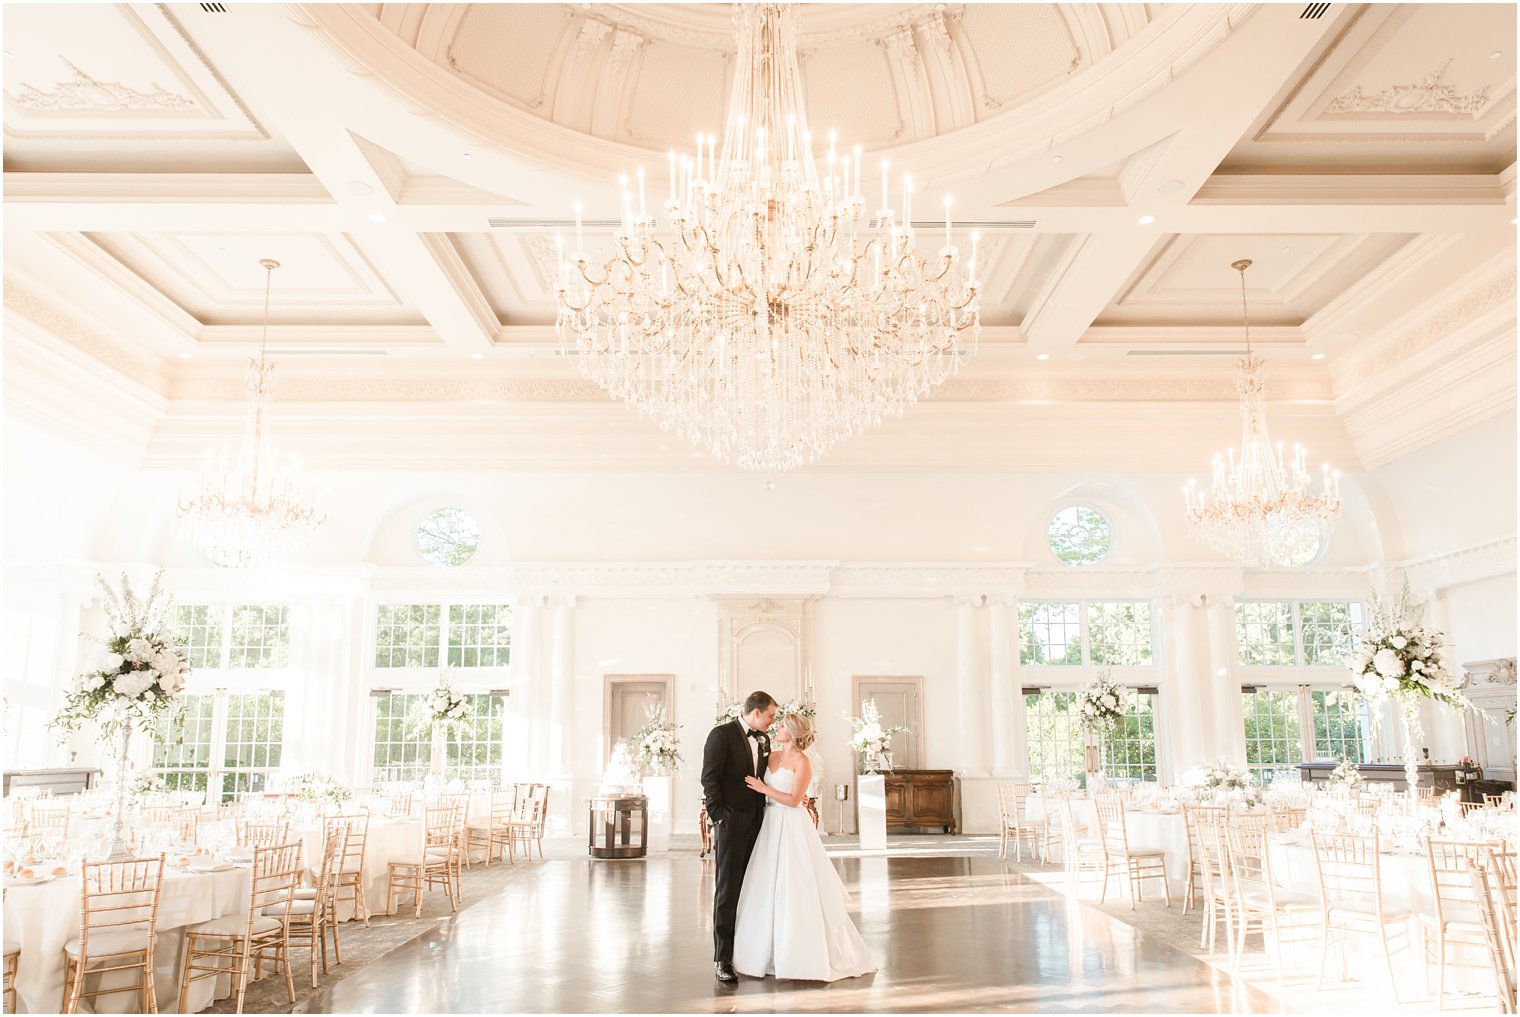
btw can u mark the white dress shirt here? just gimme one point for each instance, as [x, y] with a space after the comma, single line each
[754, 746]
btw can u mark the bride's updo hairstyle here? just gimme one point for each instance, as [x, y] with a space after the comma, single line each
[801, 730]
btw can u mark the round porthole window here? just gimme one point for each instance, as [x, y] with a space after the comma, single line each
[1308, 545]
[1080, 535]
[449, 536]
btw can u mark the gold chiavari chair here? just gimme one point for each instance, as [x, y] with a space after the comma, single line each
[1191, 815]
[1468, 807]
[1217, 887]
[437, 864]
[314, 912]
[1136, 864]
[1038, 832]
[495, 831]
[527, 819]
[12, 964]
[1500, 880]
[1284, 819]
[1456, 921]
[50, 820]
[1351, 899]
[243, 940]
[399, 803]
[351, 873]
[461, 800]
[1244, 819]
[1493, 801]
[541, 794]
[262, 834]
[118, 916]
[1288, 916]
[1011, 822]
[1079, 851]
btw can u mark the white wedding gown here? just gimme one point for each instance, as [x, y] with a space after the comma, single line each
[792, 921]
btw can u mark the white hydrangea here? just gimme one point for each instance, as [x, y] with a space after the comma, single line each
[1388, 664]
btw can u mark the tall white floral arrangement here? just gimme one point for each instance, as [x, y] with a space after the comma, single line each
[138, 675]
[1102, 704]
[872, 742]
[446, 708]
[1402, 661]
[659, 751]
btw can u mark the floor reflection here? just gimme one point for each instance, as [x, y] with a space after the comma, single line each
[949, 934]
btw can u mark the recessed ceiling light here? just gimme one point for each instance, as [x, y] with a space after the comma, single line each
[1055, 158]
[1169, 187]
[377, 217]
[1042, 356]
[358, 188]
[184, 356]
[1496, 54]
[1146, 220]
[467, 155]
[1287, 250]
[477, 356]
[1317, 356]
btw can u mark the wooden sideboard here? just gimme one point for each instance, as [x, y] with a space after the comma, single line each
[917, 798]
[1443, 777]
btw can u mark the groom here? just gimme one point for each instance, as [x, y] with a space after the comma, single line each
[734, 750]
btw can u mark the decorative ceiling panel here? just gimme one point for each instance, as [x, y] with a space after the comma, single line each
[217, 278]
[121, 71]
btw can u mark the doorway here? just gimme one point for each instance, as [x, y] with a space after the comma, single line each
[626, 704]
[898, 701]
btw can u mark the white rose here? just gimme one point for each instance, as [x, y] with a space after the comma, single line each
[1398, 642]
[149, 696]
[139, 649]
[110, 662]
[1388, 664]
[1111, 701]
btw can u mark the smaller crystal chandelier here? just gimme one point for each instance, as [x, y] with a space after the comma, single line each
[251, 510]
[1262, 512]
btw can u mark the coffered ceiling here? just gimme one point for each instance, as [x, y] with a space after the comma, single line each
[410, 165]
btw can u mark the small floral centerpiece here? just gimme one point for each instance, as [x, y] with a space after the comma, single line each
[872, 742]
[134, 682]
[658, 750]
[146, 785]
[1346, 775]
[1398, 659]
[1102, 703]
[318, 788]
[1228, 783]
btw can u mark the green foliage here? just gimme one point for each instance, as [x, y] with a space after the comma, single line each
[1079, 536]
[448, 537]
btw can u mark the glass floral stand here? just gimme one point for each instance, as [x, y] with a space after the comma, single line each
[871, 810]
[614, 822]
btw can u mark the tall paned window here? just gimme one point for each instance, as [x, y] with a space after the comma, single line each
[480, 635]
[408, 635]
[1330, 630]
[475, 754]
[227, 743]
[1264, 630]
[1053, 727]
[1119, 632]
[1129, 751]
[221, 636]
[1050, 633]
[1340, 725]
[254, 743]
[183, 751]
[402, 749]
[1274, 736]
[199, 629]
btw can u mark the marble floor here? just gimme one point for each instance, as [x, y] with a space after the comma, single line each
[949, 934]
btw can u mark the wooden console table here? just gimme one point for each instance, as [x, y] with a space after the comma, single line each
[1443, 777]
[917, 798]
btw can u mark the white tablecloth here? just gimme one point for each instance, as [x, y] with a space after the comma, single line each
[1144, 829]
[387, 841]
[43, 917]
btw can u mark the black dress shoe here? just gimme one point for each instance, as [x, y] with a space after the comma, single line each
[724, 972]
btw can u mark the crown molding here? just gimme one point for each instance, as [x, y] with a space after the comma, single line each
[1468, 565]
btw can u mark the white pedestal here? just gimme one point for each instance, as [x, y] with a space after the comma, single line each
[871, 810]
[659, 791]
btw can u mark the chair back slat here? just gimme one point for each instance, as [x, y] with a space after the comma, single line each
[262, 833]
[276, 871]
[119, 893]
[1348, 867]
[357, 827]
[1111, 828]
[503, 802]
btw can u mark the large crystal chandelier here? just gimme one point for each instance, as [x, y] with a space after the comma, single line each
[251, 510]
[1261, 512]
[768, 316]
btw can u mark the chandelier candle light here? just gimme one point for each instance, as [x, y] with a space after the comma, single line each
[251, 510]
[770, 315]
[1262, 511]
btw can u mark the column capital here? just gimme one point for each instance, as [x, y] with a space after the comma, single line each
[968, 599]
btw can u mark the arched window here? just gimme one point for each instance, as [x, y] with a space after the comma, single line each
[1080, 535]
[449, 536]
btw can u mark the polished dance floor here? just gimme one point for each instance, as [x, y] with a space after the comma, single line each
[948, 934]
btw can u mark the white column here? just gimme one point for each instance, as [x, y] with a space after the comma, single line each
[529, 716]
[1007, 735]
[1445, 727]
[561, 687]
[1228, 720]
[326, 711]
[970, 688]
[1188, 701]
[1018, 729]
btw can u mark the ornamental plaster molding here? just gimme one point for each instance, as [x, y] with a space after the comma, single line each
[926, 580]
[665, 31]
[22, 301]
[1486, 673]
[1495, 293]
[85, 92]
[1425, 96]
[1453, 568]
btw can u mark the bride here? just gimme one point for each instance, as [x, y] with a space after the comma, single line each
[792, 921]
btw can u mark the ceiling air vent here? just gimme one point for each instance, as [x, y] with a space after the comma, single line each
[214, 8]
[1314, 12]
[1184, 353]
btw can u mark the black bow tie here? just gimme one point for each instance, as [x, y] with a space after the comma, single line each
[757, 734]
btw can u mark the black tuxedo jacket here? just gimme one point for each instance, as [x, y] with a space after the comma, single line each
[725, 764]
